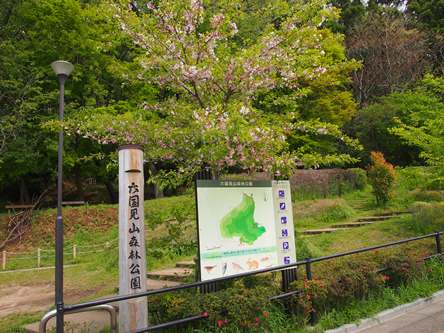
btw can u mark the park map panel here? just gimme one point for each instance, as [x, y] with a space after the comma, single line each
[243, 226]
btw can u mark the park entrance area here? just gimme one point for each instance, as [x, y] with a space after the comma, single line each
[331, 213]
[208, 166]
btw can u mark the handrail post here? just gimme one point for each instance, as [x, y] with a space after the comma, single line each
[104, 307]
[310, 277]
[438, 242]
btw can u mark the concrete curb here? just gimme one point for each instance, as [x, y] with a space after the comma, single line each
[387, 315]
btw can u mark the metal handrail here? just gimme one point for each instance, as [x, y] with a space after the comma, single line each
[71, 307]
[80, 307]
[104, 307]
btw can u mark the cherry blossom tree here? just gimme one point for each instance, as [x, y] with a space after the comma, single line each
[192, 52]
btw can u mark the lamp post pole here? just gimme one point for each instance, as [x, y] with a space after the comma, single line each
[62, 69]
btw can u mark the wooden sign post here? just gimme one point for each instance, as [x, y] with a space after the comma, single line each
[133, 314]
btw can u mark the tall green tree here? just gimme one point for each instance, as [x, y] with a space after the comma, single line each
[429, 13]
[352, 11]
[398, 124]
[34, 34]
[425, 128]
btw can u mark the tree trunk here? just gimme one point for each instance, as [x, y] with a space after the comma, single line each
[111, 192]
[158, 193]
[80, 190]
[24, 193]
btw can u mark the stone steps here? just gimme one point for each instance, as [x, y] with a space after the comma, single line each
[176, 274]
[351, 225]
[318, 231]
[376, 218]
[360, 222]
[185, 264]
[160, 284]
[395, 213]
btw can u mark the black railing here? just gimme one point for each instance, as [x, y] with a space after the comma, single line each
[201, 284]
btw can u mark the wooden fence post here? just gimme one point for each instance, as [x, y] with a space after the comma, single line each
[39, 257]
[74, 252]
[4, 260]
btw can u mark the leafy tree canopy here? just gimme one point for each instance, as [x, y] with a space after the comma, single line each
[34, 34]
[212, 77]
[429, 13]
[425, 128]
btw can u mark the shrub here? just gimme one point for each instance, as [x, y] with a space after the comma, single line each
[427, 217]
[423, 195]
[242, 305]
[359, 177]
[436, 184]
[401, 269]
[306, 249]
[312, 184]
[348, 281]
[354, 280]
[413, 177]
[381, 176]
[325, 210]
[339, 212]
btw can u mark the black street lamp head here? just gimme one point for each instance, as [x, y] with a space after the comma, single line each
[62, 68]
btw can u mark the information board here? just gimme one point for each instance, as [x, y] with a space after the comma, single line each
[244, 226]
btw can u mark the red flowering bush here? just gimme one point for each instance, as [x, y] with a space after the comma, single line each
[400, 269]
[381, 176]
[313, 296]
[350, 280]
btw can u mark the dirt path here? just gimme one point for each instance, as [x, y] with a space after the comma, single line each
[26, 299]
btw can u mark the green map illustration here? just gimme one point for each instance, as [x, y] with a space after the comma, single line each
[239, 222]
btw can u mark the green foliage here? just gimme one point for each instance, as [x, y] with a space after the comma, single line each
[436, 184]
[381, 176]
[351, 13]
[325, 183]
[324, 211]
[240, 305]
[34, 34]
[216, 111]
[424, 128]
[429, 281]
[350, 281]
[400, 269]
[428, 13]
[337, 213]
[373, 123]
[305, 249]
[360, 178]
[413, 177]
[14, 323]
[426, 195]
[427, 217]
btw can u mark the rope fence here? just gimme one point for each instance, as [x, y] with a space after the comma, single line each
[13, 260]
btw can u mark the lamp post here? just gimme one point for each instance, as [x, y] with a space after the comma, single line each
[62, 69]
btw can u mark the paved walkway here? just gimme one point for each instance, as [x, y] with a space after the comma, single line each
[421, 319]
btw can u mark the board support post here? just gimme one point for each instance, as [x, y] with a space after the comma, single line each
[205, 174]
